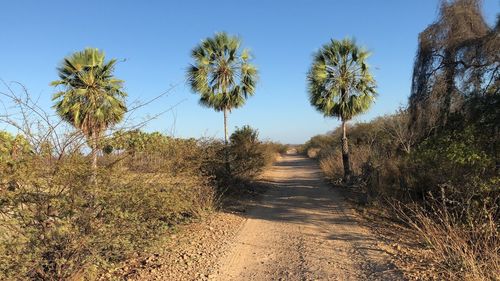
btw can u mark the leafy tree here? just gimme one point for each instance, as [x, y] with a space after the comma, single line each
[340, 85]
[222, 74]
[92, 99]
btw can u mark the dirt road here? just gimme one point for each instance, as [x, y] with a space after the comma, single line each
[303, 230]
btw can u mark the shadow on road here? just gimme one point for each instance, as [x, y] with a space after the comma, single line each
[300, 206]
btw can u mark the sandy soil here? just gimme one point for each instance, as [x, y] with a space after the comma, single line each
[302, 229]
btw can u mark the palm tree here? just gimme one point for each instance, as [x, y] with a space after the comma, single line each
[222, 74]
[340, 85]
[92, 99]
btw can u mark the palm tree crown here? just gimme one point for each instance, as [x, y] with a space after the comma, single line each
[340, 83]
[222, 73]
[92, 98]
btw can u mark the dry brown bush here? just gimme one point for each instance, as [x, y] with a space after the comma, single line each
[459, 251]
[61, 220]
[313, 152]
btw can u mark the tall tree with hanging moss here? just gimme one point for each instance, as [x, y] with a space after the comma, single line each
[222, 75]
[340, 85]
[91, 99]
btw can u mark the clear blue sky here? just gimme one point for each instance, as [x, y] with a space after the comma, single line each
[155, 39]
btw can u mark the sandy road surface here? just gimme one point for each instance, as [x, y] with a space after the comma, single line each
[302, 230]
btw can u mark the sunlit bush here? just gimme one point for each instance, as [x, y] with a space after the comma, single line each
[59, 220]
[247, 153]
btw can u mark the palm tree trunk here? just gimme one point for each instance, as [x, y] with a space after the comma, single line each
[93, 154]
[225, 127]
[226, 142]
[94, 159]
[345, 154]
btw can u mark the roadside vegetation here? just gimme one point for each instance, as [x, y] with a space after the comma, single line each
[82, 190]
[434, 165]
[80, 194]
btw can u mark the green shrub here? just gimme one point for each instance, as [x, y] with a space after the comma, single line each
[456, 167]
[246, 154]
